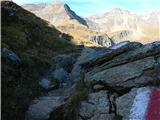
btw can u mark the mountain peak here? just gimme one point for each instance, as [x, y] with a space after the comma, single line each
[119, 10]
[58, 13]
[58, 3]
[116, 9]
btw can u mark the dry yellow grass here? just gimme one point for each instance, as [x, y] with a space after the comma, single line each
[149, 34]
[79, 32]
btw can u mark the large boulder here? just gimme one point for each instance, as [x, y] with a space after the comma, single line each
[127, 75]
[62, 76]
[43, 107]
[131, 68]
[65, 61]
[96, 107]
[111, 53]
[59, 73]
[133, 105]
[87, 55]
[10, 55]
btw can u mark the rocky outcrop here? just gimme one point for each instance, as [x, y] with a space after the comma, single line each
[96, 107]
[59, 73]
[128, 68]
[87, 55]
[42, 107]
[120, 82]
[10, 55]
[122, 73]
[121, 35]
[136, 102]
[102, 40]
[136, 73]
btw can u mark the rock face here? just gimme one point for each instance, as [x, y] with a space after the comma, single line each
[10, 55]
[87, 55]
[42, 107]
[135, 105]
[134, 74]
[59, 73]
[122, 73]
[118, 36]
[102, 40]
[96, 107]
[134, 67]
[121, 81]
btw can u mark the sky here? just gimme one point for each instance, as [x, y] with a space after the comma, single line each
[92, 7]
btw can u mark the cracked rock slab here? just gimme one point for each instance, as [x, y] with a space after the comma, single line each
[96, 107]
[42, 107]
[127, 73]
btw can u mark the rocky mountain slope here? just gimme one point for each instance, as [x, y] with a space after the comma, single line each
[144, 29]
[152, 18]
[45, 77]
[59, 13]
[139, 27]
[67, 21]
[28, 46]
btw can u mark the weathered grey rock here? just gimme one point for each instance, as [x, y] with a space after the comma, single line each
[77, 71]
[98, 87]
[128, 56]
[112, 53]
[130, 68]
[158, 60]
[10, 55]
[59, 73]
[87, 110]
[58, 78]
[124, 75]
[119, 45]
[45, 83]
[121, 35]
[102, 40]
[96, 107]
[42, 108]
[62, 76]
[87, 55]
[133, 104]
[65, 61]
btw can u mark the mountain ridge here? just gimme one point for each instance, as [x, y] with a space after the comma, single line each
[138, 28]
